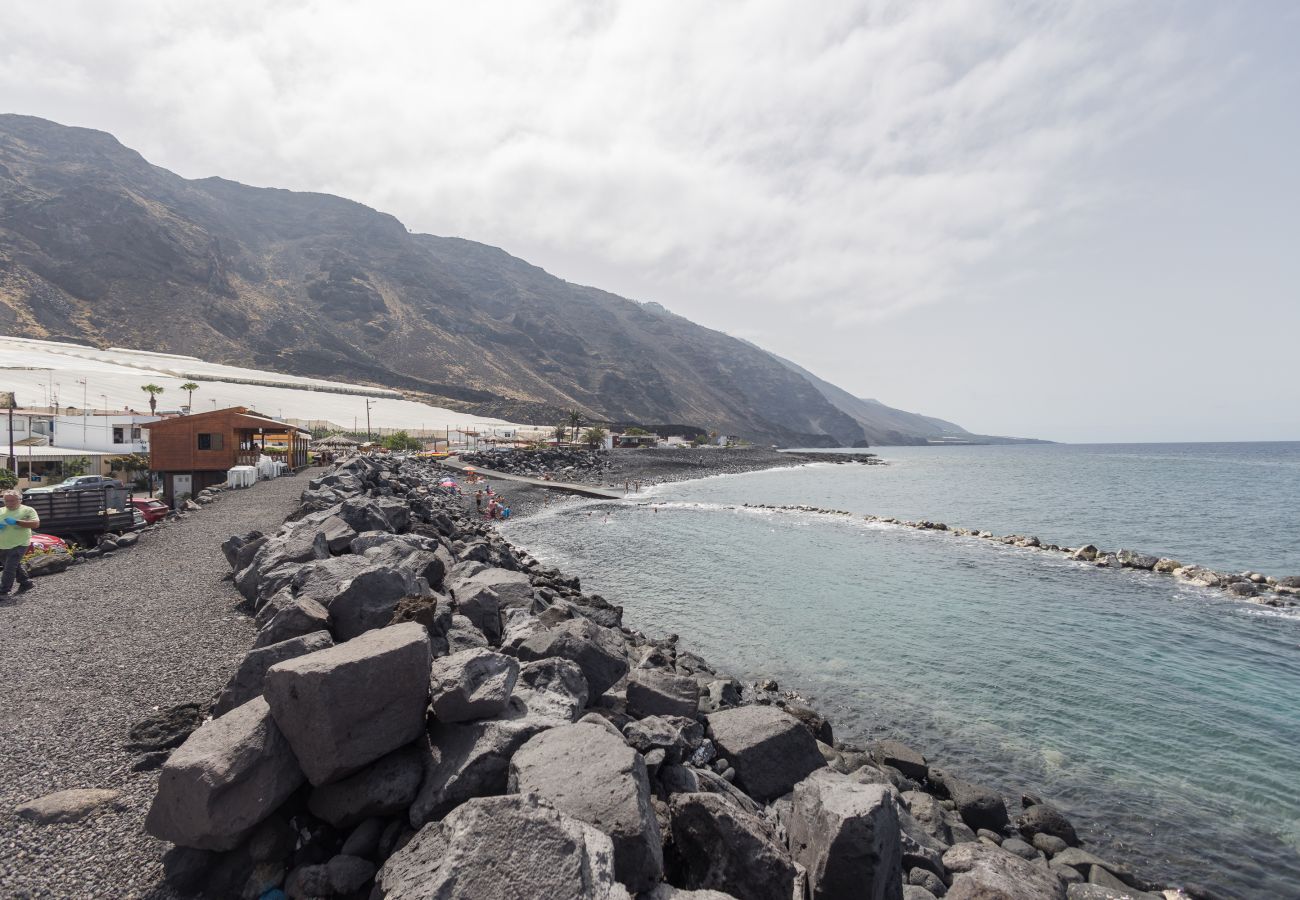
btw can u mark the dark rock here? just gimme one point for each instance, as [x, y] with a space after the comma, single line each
[502, 847]
[1045, 819]
[248, 680]
[901, 757]
[589, 773]
[296, 617]
[338, 534]
[979, 807]
[384, 788]
[472, 684]
[1049, 844]
[368, 600]
[655, 693]
[982, 871]
[600, 653]
[347, 706]
[770, 750]
[677, 737]
[817, 724]
[166, 729]
[719, 846]
[341, 875]
[846, 836]
[229, 775]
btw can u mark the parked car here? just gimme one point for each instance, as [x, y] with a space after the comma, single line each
[87, 483]
[44, 543]
[152, 510]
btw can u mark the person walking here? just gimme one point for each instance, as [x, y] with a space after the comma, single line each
[16, 524]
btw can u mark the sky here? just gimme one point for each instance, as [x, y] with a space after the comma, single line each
[1075, 220]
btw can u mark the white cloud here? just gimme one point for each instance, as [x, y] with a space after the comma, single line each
[838, 160]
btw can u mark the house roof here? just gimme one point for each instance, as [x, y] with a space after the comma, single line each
[46, 454]
[240, 416]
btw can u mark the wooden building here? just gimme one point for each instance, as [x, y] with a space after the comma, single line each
[194, 452]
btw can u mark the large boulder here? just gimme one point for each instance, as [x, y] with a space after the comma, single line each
[652, 692]
[347, 706]
[588, 772]
[553, 690]
[485, 595]
[505, 848]
[979, 806]
[770, 750]
[472, 684]
[247, 682]
[719, 846]
[294, 617]
[1044, 819]
[367, 600]
[229, 775]
[846, 836]
[467, 760]
[338, 534]
[982, 870]
[322, 580]
[384, 788]
[901, 757]
[601, 653]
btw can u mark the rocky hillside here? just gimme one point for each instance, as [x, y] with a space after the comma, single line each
[97, 245]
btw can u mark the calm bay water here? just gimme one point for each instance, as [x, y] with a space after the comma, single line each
[1164, 719]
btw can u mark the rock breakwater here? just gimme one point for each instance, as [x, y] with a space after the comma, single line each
[1277, 592]
[429, 712]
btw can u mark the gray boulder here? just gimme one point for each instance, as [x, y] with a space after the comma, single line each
[321, 581]
[668, 892]
[1044, 819]
[229, 775]
[472, 684]
[347, 706]
[1132, 559]
[341, 875]
[553, 690]
[770, 751]
[338, 534]
[979, 806]
[601, 653]
[589, 773]
[982, 871]
[462, 634]
[719, 846]
[505, 848]
[295, 617]
[678, 737]
[384, 788]
[651, 692]
[364, 514]
[368, 600]
[846, 836]
[485, 596]
[901, 757]
[467, 760]
[247, 682]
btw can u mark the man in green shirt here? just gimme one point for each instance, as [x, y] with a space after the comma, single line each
[16, 524]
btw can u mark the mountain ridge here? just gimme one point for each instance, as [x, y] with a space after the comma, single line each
[100, 246]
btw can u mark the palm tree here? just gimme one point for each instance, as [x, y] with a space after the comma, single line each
[595, 436]
[153, 391]
[560, 432]
[575, 422]
[191, 387]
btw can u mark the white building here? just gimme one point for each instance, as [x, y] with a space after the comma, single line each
[117, 433]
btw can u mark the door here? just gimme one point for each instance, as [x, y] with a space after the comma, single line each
[182, 488]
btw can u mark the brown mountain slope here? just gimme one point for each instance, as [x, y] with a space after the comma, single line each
[97, 245]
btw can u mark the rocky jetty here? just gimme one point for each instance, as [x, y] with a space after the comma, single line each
[559, 464]
[1256, 587]
[428, 712]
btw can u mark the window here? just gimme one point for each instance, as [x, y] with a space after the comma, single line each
[211, 442]
[135, 433]
[118, 436]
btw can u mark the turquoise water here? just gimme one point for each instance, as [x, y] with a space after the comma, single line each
[1165, 719]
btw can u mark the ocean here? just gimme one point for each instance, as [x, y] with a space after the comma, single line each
[1163, 719]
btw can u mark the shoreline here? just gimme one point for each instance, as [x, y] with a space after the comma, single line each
[700, 747]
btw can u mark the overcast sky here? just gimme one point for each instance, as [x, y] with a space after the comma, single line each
[1073, 220]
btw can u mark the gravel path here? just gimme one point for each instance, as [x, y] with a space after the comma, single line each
[90, 652]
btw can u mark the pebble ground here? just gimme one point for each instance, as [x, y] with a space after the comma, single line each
[93, 650]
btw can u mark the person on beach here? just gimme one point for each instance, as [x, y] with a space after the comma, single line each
[16, 524]
[478, 500]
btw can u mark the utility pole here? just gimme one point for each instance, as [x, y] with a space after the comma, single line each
[85, 399]
[368, 402]
[13, 460]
